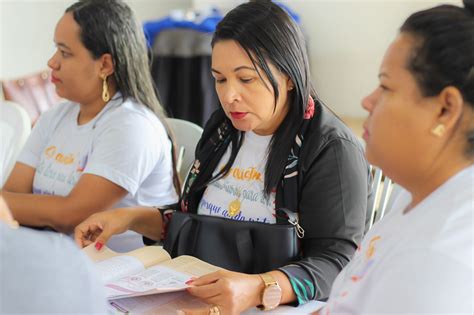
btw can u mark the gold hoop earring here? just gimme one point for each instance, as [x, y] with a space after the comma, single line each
[439, 130]
[105, 89]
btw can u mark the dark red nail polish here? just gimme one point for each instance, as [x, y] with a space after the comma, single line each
[98, 245]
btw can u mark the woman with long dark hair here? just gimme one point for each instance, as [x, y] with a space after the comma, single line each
[107, 146]
[273, 145]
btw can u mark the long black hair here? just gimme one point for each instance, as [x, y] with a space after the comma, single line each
[110, 27]
[443, 54]
[269, 35]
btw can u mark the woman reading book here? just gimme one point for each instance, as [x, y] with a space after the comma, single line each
[272, 145]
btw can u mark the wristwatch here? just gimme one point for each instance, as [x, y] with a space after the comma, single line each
[271, 295]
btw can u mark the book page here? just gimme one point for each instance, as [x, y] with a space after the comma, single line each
[170, 303]
[98, 255]
[148, 255]
[190, 265]
[112, 266]
[166, 303]
[156, 279]
[117, 267]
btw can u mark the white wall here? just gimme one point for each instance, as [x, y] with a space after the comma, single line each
[27, 28]
[347, 39]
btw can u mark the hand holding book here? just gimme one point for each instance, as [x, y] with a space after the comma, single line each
[144, 271]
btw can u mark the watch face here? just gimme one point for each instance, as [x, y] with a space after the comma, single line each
[271, 296]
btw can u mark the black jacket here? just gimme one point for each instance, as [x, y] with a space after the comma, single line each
[331, 198]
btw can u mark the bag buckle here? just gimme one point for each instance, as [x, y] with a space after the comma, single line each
[293, 220]
[299, 229]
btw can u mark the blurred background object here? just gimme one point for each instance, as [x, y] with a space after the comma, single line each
[35, 93]
[15, 127]
[346, 41]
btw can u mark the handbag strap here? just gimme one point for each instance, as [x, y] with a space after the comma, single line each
[289, 187]
[172, 236]
[292, 218]
[245, 246]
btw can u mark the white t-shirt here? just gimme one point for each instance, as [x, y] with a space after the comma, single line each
[45, 273]
[240, 195]
[413, 263]
[125, 143]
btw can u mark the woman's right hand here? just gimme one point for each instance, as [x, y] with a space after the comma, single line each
[101, 226]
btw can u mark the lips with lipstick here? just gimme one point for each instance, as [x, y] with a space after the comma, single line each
[54, 79]
[366, 134]
[238, 115]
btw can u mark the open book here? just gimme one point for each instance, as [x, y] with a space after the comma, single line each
[144, 271]
[170, 303]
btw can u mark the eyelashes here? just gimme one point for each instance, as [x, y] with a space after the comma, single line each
[243, 80]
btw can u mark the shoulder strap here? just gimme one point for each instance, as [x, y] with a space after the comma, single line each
[212, 146]
[289, 183]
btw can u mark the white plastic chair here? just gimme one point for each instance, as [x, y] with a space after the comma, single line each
[382, 187]
[15, 127]
[186, 135]
[396, 189]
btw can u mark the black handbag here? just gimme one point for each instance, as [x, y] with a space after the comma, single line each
[249, 247]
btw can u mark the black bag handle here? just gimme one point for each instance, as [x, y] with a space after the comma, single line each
[244, 243]
[174, 232]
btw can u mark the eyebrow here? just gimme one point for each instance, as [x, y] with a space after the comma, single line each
[63, 45]
[236, 69]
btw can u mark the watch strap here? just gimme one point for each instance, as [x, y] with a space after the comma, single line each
[268, 281]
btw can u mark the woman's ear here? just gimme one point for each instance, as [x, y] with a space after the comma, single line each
[107, 65]
[450, 107]
[290, 85]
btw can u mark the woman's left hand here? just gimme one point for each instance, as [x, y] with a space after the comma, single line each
[231, 292]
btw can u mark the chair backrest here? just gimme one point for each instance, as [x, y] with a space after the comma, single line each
[186, 135]
[382, 187]
[34, 92]
[396, 189]
[15, 127]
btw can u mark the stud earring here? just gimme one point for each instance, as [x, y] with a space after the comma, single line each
[439, 130]
[105, 89]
